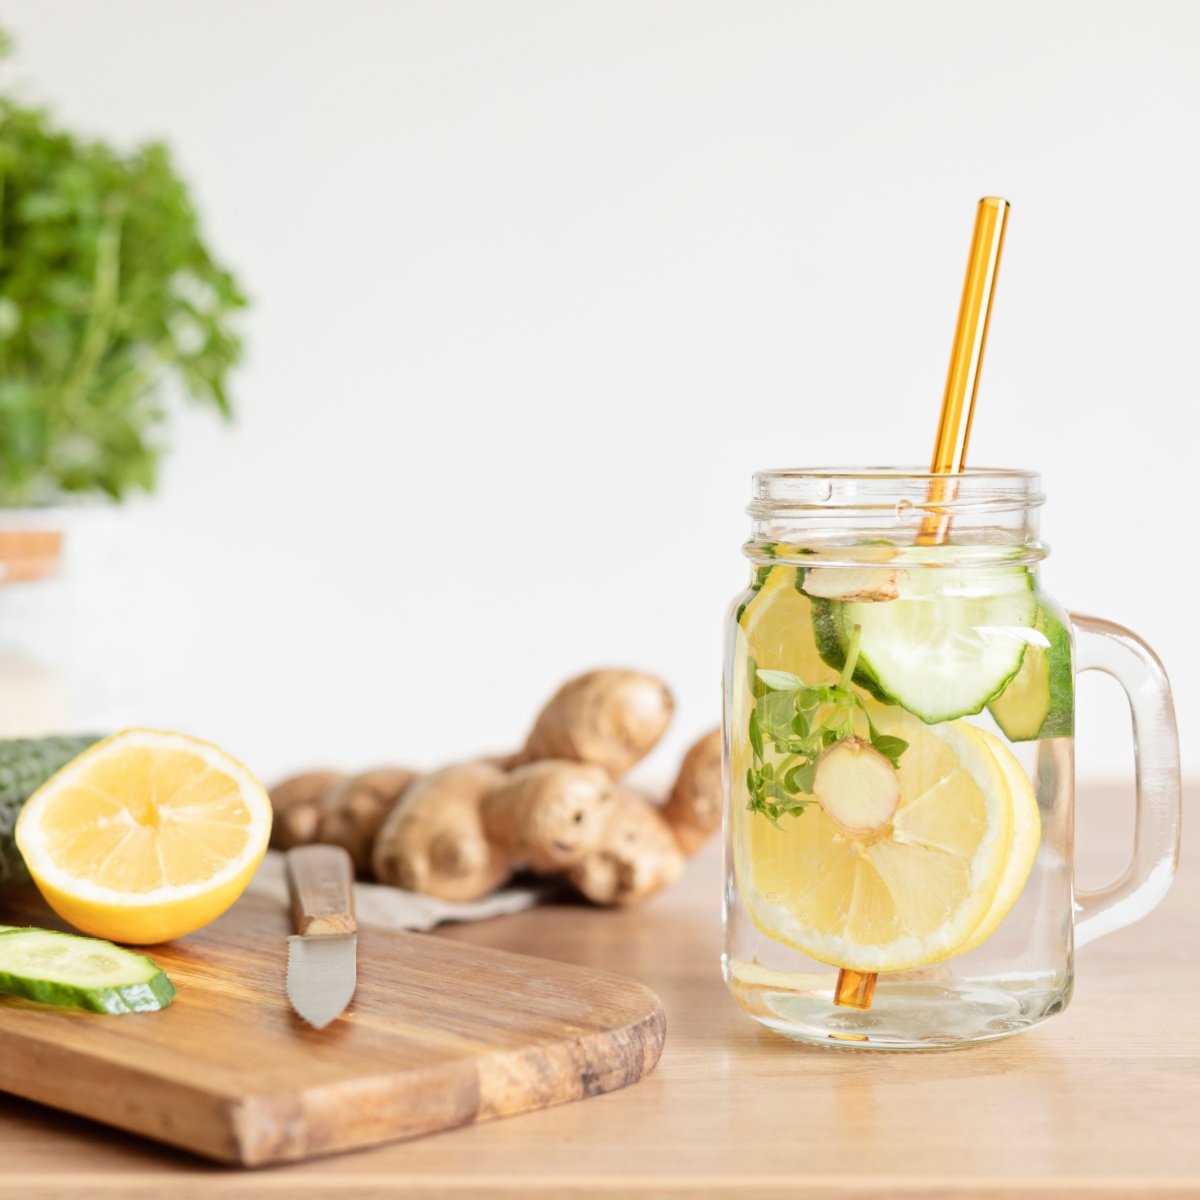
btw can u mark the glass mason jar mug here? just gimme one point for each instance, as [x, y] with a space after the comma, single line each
[899, 763]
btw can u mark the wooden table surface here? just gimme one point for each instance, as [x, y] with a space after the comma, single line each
[1101, 1101]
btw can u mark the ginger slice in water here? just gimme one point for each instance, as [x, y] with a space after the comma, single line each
[856, 786]
[857, 584]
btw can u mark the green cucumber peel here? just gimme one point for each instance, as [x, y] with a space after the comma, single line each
[760, 577]
[831, 647]
[941, 650]
[25, 764]
[1039, 701]
[69, 971]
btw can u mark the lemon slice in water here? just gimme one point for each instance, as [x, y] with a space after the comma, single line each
[777, 625]
[1027, 836]
[913, 892]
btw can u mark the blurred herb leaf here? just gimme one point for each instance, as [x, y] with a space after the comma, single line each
[108, 295]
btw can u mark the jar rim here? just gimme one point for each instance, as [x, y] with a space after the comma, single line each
[874, 489]
[992, 474]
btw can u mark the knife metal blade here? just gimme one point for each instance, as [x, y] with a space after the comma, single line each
[321, 976]
[322, 954]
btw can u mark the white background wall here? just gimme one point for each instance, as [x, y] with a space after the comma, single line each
[537, 285]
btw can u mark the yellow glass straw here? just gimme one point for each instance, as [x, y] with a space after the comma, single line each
[966, 360]
[856, 989]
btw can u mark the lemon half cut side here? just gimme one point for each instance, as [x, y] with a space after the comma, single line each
[146, 836]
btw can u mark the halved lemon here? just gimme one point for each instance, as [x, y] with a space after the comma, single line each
[912, 893]
[146, 836]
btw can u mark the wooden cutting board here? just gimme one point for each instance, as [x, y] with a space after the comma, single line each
[439, 1034]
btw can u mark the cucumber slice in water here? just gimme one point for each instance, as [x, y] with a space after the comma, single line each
[1039, 702]
[946, 646]
[80, 972]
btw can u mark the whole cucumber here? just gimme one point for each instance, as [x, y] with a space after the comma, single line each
[25, 764]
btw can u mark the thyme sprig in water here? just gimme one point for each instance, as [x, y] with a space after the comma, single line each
[796, 721]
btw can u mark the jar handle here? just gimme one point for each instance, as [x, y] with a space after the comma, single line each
[1115, 650]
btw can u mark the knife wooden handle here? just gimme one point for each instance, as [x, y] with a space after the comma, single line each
[321, 884]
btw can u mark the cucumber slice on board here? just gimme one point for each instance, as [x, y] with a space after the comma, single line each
[1039, 702]
[946, 646]
[80, 972]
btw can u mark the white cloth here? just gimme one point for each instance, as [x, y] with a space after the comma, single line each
[392, 908]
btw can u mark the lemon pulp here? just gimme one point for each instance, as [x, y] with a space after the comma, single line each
[146, 836]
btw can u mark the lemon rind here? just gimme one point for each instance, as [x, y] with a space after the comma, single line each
[1026, 840]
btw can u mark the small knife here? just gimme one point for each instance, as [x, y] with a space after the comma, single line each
[322, 953]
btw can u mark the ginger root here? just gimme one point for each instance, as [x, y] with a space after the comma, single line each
[612, 718]
[549, 814]
[297, 806]
[693, 810]
[354, 810]
[570, 818]
[433, 841]
[555, 806]
[636, 854]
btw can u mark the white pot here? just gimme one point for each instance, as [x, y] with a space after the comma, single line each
[63, 661]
